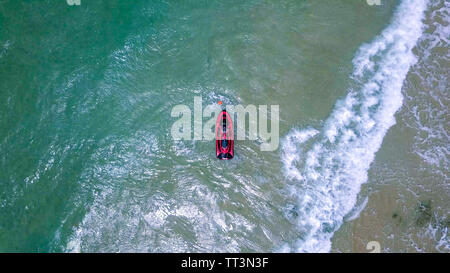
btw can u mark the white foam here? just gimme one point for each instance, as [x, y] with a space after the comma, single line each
[336, 165]
[357, 210]
[428, 100]
[289, 145]
[5, 48]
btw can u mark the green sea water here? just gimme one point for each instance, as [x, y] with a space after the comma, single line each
[87, 160]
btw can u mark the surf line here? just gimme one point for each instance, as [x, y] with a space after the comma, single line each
[193, 263]
[332, 169]
[258, 128]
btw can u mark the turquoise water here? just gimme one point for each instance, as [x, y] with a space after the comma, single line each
[88, 163]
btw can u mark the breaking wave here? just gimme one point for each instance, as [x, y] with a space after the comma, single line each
[329, 166]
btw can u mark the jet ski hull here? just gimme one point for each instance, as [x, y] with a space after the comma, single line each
[224, 137]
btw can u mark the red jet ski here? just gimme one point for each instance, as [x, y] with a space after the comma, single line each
[224, 136]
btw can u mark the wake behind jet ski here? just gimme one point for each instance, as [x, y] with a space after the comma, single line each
[224, 136]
